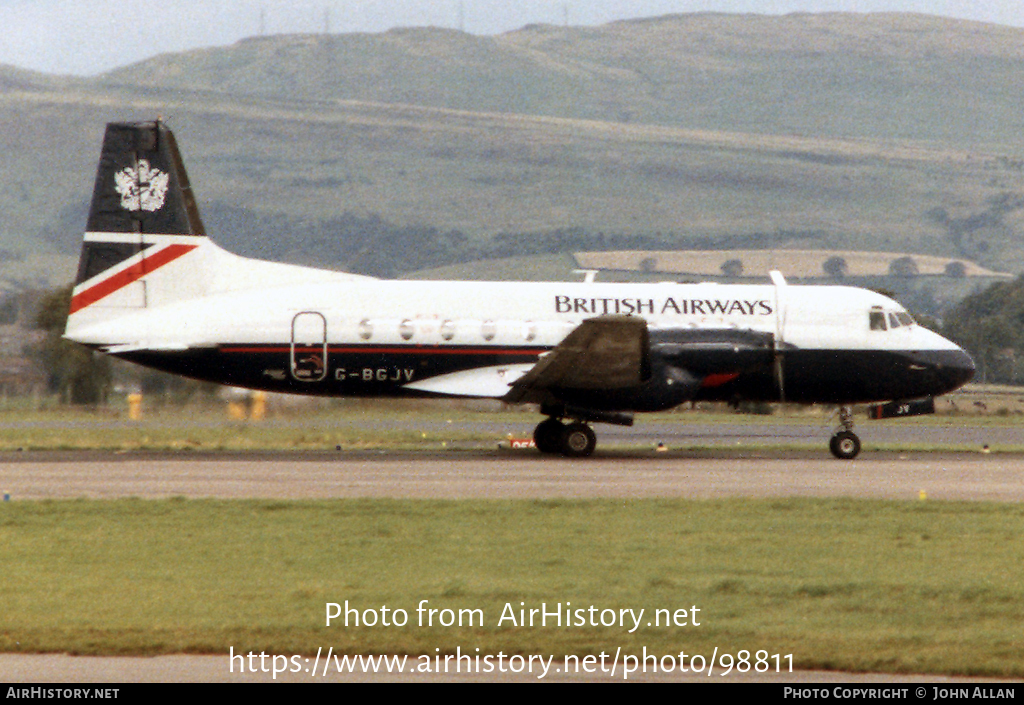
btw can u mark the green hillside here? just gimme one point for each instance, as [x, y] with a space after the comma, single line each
[882, 75]
[418, 148]
[889, 76]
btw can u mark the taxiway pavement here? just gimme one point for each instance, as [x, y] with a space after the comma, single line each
[520, 474]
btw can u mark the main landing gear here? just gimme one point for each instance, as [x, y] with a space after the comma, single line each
[574, 440]
[845, 444]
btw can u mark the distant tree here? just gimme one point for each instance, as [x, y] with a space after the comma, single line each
[732, 268]
[989, 324]
[903, 267]
[648, 264]
[956, 270]
[835, 266]
[78, 374]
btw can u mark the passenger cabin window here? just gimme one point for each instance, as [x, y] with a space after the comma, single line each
[489, 329]
[877, 320]
[448, 330]
[365, 329]
[406, 330]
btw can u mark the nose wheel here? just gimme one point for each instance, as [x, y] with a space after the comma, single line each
[575, 440]
[845, 444]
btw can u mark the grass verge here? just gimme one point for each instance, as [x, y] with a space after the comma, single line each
[856, 585]
[401, 425]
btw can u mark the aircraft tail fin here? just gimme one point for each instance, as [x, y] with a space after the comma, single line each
[141, 184]
[145, 243]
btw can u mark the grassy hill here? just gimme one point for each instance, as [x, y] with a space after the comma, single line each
[882, 75]
[899, 133]
[837, 75]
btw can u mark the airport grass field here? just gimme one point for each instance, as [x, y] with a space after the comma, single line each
[918, 586]
[901, 587]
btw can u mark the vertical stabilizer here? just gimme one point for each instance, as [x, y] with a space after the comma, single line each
[144, 242]
[145, 246]
[141, 184]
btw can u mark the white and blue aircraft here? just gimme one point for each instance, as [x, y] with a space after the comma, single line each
[152, 288]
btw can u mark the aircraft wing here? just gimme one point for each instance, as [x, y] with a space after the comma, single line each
[607, 352]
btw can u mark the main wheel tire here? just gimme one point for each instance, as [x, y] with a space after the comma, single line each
[578, 440]
[845, 445]
[548, 436]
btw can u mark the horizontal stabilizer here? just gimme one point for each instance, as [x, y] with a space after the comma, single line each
[137, 347]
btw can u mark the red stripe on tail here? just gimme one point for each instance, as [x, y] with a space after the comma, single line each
[126, 276]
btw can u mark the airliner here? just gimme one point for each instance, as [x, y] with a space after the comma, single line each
[153, 289]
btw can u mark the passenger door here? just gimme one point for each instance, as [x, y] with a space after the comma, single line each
[309, 347]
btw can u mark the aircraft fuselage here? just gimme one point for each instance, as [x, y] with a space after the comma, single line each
[381, 338]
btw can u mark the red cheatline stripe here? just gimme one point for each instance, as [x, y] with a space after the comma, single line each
[717, 380]
[127, 276]
[397, 350]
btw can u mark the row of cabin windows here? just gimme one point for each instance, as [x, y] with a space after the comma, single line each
[447, 329]
[877, 319]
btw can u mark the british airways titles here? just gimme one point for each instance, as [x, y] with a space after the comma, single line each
[692, 307]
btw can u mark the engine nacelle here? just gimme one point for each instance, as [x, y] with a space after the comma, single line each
[715, 351]
[666, 386]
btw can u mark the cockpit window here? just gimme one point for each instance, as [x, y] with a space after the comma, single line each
[888, 320]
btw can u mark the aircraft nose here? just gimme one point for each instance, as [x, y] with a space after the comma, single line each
[961, 368]
[953, 369]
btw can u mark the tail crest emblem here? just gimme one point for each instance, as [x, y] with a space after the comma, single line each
[144, 188]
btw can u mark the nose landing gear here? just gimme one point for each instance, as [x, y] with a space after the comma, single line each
[575, 440]
[845, 444]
